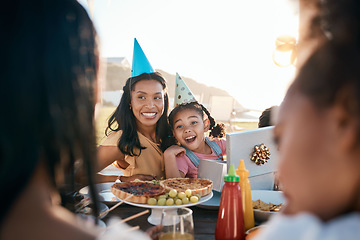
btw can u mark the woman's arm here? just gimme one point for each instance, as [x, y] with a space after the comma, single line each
[107, 155]
[171, 168]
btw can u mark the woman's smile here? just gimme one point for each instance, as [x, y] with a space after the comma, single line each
[147, 102]
[149, 114]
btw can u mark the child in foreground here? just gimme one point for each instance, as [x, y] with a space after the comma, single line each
[318, 133]
[189, 126]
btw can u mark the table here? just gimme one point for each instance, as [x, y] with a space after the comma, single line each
[204, 220]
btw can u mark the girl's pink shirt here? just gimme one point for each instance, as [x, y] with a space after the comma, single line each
[186, 166]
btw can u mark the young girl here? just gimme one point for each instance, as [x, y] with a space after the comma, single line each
[189, 127]
[318, 132]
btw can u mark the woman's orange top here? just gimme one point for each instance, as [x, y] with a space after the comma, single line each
[149, 162]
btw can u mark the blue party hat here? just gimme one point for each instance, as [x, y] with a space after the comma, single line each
[140, 64]
[183, 94]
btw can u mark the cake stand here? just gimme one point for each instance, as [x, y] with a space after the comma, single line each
[156, 211]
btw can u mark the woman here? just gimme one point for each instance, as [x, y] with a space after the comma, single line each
[48, 66]
[140, 131]
[318, 132]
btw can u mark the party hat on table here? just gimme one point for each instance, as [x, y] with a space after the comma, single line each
[183, 94]
[140, 63]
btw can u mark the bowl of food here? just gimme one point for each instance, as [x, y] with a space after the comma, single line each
[266, 203]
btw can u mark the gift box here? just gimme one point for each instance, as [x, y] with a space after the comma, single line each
[242, 145]
[215, 170]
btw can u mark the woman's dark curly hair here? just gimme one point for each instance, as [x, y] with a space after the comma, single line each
[124, 119]
[217, 131]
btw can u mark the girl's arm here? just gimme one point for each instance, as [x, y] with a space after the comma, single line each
[171, 168]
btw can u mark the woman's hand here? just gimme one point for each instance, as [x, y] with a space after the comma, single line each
[141, 177]
[154, 232]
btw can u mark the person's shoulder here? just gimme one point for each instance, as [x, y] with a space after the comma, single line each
[112, 139]
[289, 227]
[308, 226]
[116, 228]
[183, 159]
[221, 142]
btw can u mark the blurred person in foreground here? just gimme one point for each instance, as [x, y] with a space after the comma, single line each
[318, 132]
[48, 89]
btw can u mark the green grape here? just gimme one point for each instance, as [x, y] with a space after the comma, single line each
[194, 199]
[170, 202]
[152, 201]
[185, 200]
[198, 195]
[155, 181]
[162, 196]
[136, 180]
[181, 195]
[178, 201]
[188, 193]
[173, 193]
[161, 202]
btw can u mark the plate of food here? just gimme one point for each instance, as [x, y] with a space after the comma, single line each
[104, 192]
[167, 195]
[88, 210]
[266, 203]
[82, 204]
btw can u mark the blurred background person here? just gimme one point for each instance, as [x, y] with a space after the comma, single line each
[266, 118]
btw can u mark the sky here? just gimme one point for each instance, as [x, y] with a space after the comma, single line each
[222, 43]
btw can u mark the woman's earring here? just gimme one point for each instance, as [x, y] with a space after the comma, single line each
[130, 107]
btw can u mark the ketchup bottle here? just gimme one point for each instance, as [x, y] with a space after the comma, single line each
[230, 221]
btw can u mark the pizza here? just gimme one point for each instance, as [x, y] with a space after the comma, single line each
[139, 191]
[196, 185]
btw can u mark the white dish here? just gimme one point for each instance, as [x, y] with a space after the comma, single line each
[275, 197]
[102, 208]
[111, 170]
[89, 220]
[203, 199]
[105, 194]
[156, 211]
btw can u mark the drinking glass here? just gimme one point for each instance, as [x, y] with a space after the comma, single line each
[177, 224]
